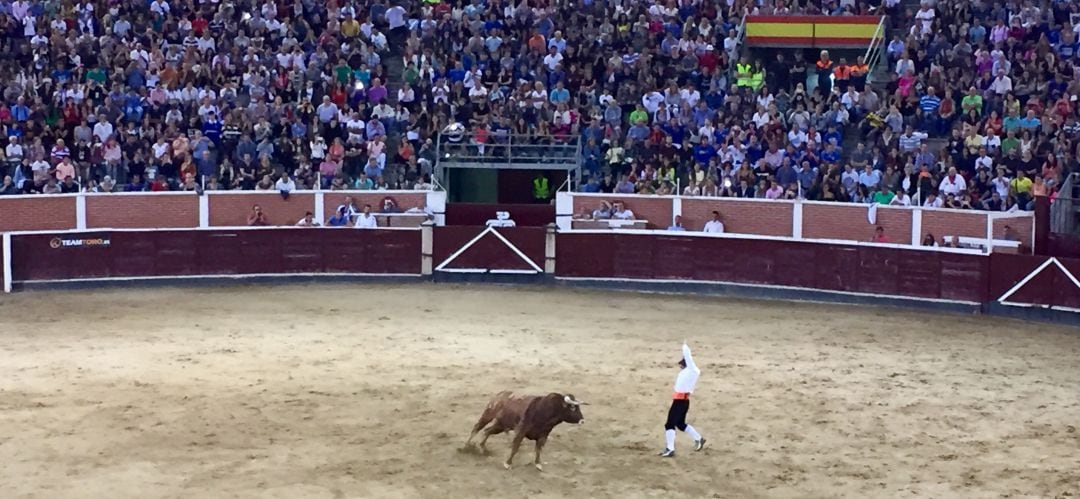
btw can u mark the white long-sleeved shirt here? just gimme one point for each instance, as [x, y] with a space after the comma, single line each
[688, 376]
[366, 221]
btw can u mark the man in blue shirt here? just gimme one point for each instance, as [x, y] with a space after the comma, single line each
[704, 152]
[19, 112]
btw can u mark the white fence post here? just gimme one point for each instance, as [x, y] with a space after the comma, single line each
[7, 262]
[916, 226]
[796, 219]
[80, 211]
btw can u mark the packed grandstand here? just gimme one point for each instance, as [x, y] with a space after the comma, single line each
[974, 104]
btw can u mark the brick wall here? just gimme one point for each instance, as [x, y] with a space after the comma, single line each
[1021, 226]
[953, 223]
[741, 217]
[37, 213]
[143, 210]
[233, 209]
[657, 210]
[848, 221]
[405, 200]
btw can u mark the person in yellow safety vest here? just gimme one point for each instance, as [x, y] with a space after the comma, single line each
[541, 189]
[757, 77]
[859, 70]
[743, 73]
[842, 75]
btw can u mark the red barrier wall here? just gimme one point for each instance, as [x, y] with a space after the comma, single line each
[850, 222]
[524, 215]
[765, 218]
[1049, 287]
[489, 252]
[864, 269]
[215, 252]
[143, 210]
[37, 213]
[838, 221]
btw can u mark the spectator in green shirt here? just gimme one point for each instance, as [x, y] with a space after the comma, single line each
[972, 101]
[1010, 142]
[639, 115]
[884, 196]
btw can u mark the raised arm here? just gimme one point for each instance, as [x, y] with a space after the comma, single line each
[687, 357]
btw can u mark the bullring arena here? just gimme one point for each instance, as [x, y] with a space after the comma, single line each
[189, 362]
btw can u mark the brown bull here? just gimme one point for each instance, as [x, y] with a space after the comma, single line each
[528, 416]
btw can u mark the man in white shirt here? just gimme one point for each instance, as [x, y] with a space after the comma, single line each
[714, 226]
[366, 220]
[680, 405]
[395, 17]
[901, 198]
[952, 183]
[103, 129]
[621, 213]
[285, 184]
[307, 221]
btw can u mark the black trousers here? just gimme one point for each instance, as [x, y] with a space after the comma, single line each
[676, 416]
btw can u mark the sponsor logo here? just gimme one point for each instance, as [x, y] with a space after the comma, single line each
[68, 242]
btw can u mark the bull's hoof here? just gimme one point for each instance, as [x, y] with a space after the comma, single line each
[539, 467]
[507, 466]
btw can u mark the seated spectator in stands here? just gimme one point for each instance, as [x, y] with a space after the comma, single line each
[257, 217]
[340, 218]
[307, 221]
[389, 205]
[8, 188]
[900, 198]
[265, 184]
[714, 226]
[879, 236]
[106, 185]
[190, 184]
[160, 184]
[51, 186]
[69, 186]
[677, 226]
[285, 186]
[620, 212]
[365, 220]
[136, 184]
[933, 201]
[1010, 234]
[603, 212]
[929, 240]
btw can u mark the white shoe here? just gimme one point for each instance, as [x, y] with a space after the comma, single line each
[699, 444]
[668, 453]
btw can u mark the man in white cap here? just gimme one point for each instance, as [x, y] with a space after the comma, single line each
[680, 405]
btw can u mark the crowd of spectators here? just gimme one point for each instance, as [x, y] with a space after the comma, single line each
[979, 112]
[253, 94]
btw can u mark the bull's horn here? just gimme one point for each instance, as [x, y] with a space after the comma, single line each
[570, 400]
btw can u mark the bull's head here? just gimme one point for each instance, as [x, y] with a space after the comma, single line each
[572, 410]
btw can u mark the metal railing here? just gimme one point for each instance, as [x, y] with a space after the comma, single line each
[1063, 211]
[740, 37]
[875, 51]
[529, 152]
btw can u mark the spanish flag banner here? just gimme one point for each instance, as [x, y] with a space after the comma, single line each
[811, 31]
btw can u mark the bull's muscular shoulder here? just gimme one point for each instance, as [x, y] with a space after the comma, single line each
[542, 414]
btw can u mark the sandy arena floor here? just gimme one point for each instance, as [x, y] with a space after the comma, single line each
[370, 391]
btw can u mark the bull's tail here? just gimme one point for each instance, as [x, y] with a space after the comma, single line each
[489, 413]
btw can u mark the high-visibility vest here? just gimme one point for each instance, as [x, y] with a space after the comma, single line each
[742, 74]
[757, 80]
[859, 70]
[823, 66]
[842, 72]
[540, 188]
